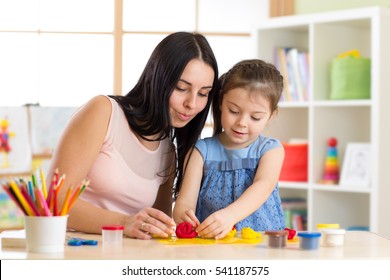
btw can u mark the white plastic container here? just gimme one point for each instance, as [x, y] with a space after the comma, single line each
[332, 237]
[112, 234]
[321, 227]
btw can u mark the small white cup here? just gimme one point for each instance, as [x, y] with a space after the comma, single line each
[45, 234]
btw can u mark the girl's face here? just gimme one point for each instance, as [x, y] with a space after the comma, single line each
[191, 93]
[244, 116]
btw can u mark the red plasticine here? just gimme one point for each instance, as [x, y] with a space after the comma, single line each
[291, 233]
[185, 230]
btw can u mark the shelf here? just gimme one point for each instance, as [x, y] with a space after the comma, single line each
[324, 36]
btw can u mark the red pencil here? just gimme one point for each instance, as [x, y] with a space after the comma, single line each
[29, 200]
[55, 202]
[54, 182]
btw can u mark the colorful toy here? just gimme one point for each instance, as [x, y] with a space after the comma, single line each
[5, 148]
[331, 172]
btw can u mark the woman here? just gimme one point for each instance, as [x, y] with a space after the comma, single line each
[125, 144]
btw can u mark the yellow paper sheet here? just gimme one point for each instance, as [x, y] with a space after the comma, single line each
[203, 241]
[173, 240]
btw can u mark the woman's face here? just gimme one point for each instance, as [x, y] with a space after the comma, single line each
[191, 93]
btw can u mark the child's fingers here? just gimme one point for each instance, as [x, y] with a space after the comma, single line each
[191, 218]
[194, 220]
[206, 229]
[221, 235]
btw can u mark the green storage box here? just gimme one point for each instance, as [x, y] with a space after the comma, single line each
[350, 78]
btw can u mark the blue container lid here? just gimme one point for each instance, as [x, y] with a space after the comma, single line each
[309, 234]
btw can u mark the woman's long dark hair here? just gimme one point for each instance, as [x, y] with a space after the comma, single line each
[146, 106]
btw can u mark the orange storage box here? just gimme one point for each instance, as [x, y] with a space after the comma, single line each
[295, 163]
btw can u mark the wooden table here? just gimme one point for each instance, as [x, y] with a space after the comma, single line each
[357, 245]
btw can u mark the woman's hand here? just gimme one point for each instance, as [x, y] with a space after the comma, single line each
[148, 222]
[217, 225]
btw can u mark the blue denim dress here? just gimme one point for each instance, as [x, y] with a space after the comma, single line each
[228, 173]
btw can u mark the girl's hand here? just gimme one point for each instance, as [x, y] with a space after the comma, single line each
[217, 225]
[189, 216]
[148, 222]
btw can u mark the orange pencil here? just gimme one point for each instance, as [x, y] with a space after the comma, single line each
[60, 182]
[56, 192]
[64, 208]
[74, 196]
[77, 193]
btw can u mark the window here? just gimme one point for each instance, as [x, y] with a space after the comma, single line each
[63, 52]
[55, 52]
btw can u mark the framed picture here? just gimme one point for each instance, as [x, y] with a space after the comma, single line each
[356, 167]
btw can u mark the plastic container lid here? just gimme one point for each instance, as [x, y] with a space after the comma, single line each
[277, 232]
[333, 231]
[309, 234]
[328, 226]
[113, 227]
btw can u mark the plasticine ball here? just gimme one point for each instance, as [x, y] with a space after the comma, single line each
[249, 233]
[185, 230]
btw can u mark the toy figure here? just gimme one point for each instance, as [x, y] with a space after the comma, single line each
[5, 148]
[331, 172]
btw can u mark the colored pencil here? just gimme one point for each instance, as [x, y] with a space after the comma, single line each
[65, 205]
[53, 183]
[29, 200]
[55, 202]
[42, 201]
[34, 182]
[60, 182]
[74, 196]
[43, 181]
[12, 195]
[29, 197]
[80, 190]
[21, 198]
[31, 190]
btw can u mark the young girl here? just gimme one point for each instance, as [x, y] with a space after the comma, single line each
[232, 178]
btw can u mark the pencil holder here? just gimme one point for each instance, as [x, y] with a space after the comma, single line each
[45, 234]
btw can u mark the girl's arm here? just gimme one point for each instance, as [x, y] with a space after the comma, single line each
[185, 205]
[77, 150]
[221, 222]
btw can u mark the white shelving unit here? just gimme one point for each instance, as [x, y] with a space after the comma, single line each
[324, 36]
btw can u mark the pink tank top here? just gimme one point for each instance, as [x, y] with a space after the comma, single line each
[126, 176]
